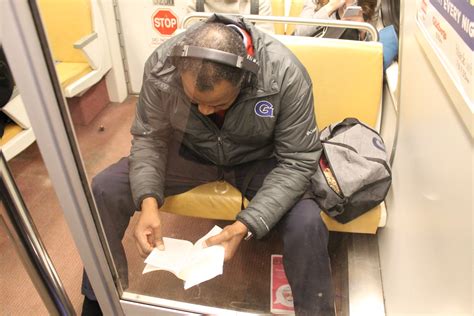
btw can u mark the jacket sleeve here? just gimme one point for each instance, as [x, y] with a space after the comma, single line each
[297, 149]
[149, 152]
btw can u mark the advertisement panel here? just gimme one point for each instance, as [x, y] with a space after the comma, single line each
[449, 28]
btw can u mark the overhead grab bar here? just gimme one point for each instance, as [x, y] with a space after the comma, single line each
[292, 20]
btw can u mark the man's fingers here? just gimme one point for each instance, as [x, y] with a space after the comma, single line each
[148, 229]
[217, 239]
[210, 241]
[158, 239]
[140, 251]
[144, 246]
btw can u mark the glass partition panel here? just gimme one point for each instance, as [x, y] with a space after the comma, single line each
[196, 129]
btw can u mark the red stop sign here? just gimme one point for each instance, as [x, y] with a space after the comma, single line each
[165, 21]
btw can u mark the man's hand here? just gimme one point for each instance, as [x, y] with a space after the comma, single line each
[230, 237]
[147, 232]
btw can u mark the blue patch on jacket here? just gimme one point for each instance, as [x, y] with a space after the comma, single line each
[264, 109]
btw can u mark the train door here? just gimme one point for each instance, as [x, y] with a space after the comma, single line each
[25, 42]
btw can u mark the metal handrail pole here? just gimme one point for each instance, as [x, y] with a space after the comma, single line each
[26, 47]
[293, 20]
[30, 248]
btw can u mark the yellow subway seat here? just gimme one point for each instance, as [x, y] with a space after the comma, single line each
[76, 34]
[11, 130]
[203, 201]
[66, 22]
[366, 223]
[347, 77]
[214, 200]
[70, 72]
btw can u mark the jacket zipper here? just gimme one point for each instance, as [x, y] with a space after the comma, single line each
[220, 154]
[342, 196]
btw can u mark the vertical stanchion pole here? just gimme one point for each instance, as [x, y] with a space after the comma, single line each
[19, 225]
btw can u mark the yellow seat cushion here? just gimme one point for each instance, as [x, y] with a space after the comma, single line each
[214, 200]
[66, 22]
[347, 77]
[11, 130]
[366, 223]
[205, 201]
[356, 91]
[70, 72]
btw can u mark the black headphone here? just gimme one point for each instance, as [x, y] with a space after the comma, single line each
[246, 63]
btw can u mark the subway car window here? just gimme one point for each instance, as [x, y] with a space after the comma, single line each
[391, 13]
[243, 157]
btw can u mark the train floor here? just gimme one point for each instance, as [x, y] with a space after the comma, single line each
[244, 286]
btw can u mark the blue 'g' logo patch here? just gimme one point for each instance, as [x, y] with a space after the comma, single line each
[264, 109]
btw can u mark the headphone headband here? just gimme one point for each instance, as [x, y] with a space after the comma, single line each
[217, 56]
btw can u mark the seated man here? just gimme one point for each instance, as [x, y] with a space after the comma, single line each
[201, 117]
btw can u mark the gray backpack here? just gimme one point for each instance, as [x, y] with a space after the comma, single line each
[353, 174]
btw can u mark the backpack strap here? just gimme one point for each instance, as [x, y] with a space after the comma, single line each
[350, 121]
[199, 5]
[254, 7]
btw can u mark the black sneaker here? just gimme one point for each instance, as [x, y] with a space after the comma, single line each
[90, 308]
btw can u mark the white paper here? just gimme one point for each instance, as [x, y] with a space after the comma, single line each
[194, 264]
[170, 259]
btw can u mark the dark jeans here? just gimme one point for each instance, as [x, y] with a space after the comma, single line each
[305, 237]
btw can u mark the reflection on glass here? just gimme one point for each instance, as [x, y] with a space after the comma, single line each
[225, 109]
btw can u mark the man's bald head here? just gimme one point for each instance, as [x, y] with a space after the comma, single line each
[208, 73]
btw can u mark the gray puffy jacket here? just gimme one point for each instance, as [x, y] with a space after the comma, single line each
[274, 119]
